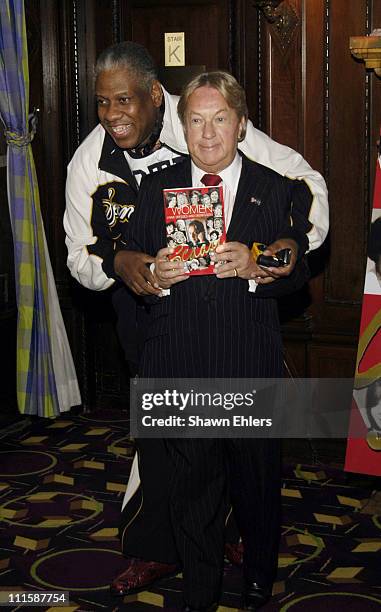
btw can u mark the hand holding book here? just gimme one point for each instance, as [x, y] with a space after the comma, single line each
[234, 259]
[168, 272]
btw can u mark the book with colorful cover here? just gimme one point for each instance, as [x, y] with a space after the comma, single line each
[195, 226]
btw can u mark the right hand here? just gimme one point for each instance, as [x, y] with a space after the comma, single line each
[132, 268]
[167, 273]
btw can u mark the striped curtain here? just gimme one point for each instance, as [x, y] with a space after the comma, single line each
[46, 379]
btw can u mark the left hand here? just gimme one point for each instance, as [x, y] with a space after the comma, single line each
[233, 259]
[272, 249]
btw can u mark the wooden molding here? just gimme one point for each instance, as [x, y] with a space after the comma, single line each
[269, 8]
[368, 49]
[283, 20]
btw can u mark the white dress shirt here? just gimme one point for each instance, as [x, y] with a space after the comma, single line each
[230, 179]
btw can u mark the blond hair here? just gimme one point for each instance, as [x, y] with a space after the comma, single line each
[228, 87]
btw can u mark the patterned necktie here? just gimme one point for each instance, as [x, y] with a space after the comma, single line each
[211, 180]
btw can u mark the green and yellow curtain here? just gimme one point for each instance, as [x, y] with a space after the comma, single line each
[46, 379]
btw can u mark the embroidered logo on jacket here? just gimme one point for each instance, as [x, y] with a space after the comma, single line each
[115, 212]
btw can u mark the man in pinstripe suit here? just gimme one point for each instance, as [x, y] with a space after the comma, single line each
[234, 332]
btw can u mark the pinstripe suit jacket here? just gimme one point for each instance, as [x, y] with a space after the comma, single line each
[211, 327]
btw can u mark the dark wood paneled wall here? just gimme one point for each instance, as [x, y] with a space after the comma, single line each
[204, 23]
[317, 99]
[303, 88]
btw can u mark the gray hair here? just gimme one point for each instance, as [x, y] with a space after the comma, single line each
[131, 56]
[228, 87]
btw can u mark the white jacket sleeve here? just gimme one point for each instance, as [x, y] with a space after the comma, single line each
[82, 182]
[262, 149]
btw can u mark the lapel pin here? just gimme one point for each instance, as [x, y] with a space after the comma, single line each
[254, 200]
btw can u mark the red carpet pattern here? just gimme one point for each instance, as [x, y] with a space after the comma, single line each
[61, 487]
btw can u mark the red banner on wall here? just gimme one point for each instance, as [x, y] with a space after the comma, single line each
[364, 452]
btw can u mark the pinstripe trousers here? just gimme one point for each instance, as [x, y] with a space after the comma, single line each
[198, 508]
[200, 470]
[200, 473]
[178, 514]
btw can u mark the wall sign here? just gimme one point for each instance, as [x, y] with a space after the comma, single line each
[174, 44]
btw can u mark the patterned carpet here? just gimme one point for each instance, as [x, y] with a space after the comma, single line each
[61, 485]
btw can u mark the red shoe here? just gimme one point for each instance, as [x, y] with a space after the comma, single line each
[234, 553]
[139, 575]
